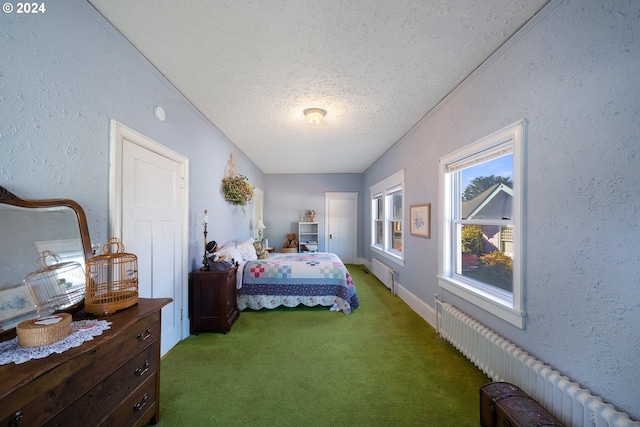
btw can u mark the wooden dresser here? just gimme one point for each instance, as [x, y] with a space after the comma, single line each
[113, 380]
[213, 304]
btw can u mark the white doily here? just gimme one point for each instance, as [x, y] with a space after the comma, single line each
[81, 331]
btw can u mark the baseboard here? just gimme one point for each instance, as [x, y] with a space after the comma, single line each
[362, 261]
[423, 309]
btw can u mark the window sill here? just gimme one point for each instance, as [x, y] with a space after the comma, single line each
[393, 258]
[490, 303]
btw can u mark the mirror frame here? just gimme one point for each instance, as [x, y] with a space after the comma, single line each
[8, 198]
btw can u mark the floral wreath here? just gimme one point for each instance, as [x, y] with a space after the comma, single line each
[236, 188]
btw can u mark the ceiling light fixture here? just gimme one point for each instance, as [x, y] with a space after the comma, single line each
[314, 114]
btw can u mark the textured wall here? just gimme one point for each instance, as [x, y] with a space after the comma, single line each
[63, 75]
[573, 78]
[291, 196]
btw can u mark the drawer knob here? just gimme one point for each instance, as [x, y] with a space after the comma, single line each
[143, 337]
[16, 417]
[138, 406]
[143, 369]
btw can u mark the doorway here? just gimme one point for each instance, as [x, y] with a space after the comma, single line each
[341, 230]
[148, 212]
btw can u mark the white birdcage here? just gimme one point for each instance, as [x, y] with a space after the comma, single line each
[55, 285]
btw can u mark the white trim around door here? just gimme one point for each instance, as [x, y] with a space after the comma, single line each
[119, 136]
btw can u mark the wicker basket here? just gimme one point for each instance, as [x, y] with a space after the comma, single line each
[55, 285]
[43, 331]
[112, 280]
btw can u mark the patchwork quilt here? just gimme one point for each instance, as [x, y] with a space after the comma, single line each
[318, 278]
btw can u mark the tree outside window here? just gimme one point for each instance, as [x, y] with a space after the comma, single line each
[486, 197]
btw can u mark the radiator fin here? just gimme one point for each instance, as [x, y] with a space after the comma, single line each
[501, 360]
[384, 273]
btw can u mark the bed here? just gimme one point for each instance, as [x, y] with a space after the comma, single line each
[289, 280]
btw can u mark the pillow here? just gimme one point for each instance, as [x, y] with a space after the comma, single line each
[230, 253]
[229, 244]
[247, 250]
[260, 251]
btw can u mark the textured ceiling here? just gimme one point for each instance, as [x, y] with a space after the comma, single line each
[377, 67]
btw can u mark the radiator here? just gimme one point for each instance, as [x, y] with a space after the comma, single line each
[501, 360]
[384, 273]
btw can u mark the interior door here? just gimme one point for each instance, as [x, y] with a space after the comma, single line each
[152, 224]
[341, 210]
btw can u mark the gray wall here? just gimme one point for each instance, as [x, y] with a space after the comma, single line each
[573, 77]
[289, 197]
[63, 75]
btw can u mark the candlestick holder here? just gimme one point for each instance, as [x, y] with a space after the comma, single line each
[205, 262]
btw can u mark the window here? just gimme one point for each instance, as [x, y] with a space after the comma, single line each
[480, 256]
[387, 210]
[378, 221]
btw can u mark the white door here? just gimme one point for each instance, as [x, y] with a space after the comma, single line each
[341, 216]
[151, 224]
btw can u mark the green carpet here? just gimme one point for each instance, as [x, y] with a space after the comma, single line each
[382, 365]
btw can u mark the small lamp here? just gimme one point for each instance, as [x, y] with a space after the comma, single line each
[260, 227]
[205, 263]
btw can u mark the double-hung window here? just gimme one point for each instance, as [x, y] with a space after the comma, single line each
[387, 211]
[481, 239]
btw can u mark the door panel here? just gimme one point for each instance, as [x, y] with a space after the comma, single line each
[148, 199]
[151, 225]
[341, 231]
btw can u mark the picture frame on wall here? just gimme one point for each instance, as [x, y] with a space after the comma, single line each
[420, 220]
[15, 302]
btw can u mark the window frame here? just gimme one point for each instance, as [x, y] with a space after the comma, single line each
[507, 306]
[383, 191]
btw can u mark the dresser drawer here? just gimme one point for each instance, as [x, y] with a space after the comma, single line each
[47, 395]
[96, 404]
[138, 409]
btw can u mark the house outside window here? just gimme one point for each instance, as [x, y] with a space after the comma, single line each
[480, 255]
[387, 213]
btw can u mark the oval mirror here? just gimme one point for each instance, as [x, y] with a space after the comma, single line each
[29, 229]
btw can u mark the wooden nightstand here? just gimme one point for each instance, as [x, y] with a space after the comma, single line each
[213, 302]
